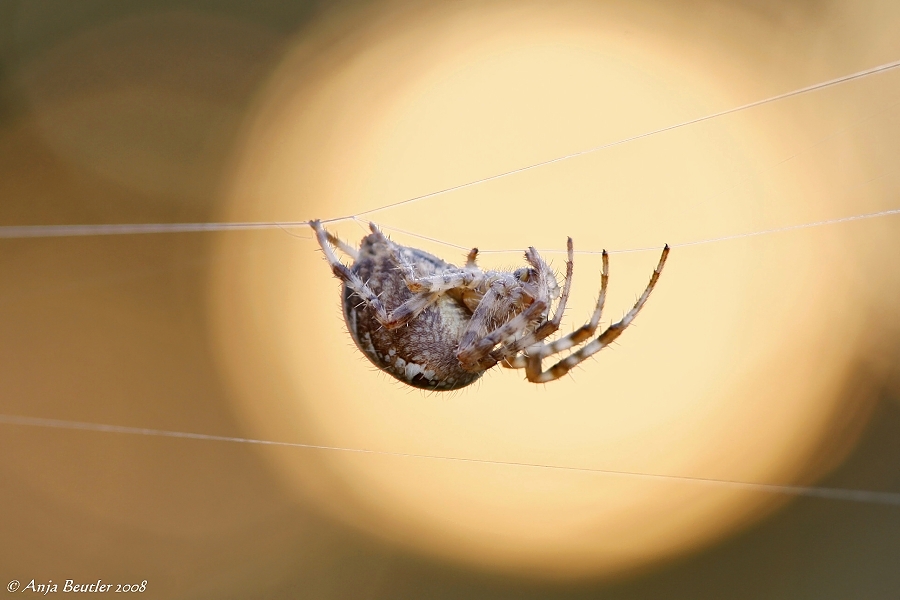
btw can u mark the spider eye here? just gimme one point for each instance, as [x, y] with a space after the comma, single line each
[523, 274]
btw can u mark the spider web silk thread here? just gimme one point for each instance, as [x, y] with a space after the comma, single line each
[42, 231]
[736, 236]
[829, 493]
[45, 231]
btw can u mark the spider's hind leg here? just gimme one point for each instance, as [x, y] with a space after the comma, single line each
[470, 259]
[342, 245]
[452, 278]
[410, 277]
[397, 317]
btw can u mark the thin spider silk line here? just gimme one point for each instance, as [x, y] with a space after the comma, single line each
[811, 88]
[736, 236]
[40, 231]
[829, 493]
[46, 231]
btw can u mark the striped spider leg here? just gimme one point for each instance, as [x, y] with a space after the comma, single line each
[531, 359]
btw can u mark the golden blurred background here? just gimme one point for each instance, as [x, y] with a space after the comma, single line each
[769, 359]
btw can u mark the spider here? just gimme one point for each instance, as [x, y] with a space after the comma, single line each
[436, 326]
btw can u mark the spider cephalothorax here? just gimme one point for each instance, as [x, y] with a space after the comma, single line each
[436, 326]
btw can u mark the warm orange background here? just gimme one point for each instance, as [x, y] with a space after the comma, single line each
[761, 359]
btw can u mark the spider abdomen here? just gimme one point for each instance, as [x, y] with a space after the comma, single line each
[422, 352]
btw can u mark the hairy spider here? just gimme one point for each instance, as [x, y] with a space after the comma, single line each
[447, 325]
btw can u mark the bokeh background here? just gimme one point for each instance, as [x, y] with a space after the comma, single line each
[771, 359]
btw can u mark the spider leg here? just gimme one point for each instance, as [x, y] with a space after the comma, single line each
[507, 353]
[475, 353]
[397, 317]
[407, 311]
[480, 353]
[470, 259]
[576, 337]
[466, 278]
[342, 245]
[447, 280]
[337, 267]
[533, 369]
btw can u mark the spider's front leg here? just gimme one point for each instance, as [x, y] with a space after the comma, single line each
[533, 368]
[475, 347]
[538, 286]
[509, 354]
[514, 360]
[398, 316]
